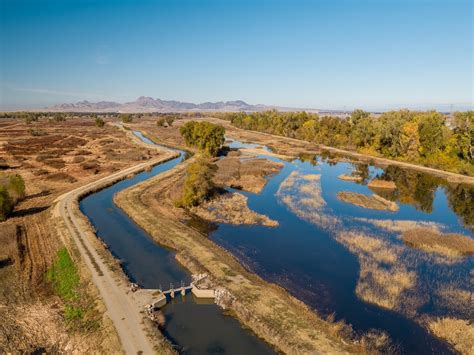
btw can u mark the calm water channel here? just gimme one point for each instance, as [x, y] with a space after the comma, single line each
[195, 328]
[304, 255]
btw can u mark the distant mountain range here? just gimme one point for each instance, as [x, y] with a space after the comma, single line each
[149, 104]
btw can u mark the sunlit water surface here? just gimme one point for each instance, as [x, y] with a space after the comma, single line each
[307, 259]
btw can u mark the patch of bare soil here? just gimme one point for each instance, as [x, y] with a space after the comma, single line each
[458, 332]
[231, 208]
[248, 175]
[373, 202]
[381, 184]
[450, 245]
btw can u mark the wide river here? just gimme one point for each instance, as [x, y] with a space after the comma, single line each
[308, 255]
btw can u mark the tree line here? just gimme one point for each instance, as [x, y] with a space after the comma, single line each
[426, 138]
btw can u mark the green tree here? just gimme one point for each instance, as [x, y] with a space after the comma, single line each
[126, 118]
[16, 187]
[59, 117]
[198, 184]
[364, 132]
[6, 203]
[99, 122]
[463, 123]
[410, 141]
[207, 137]
[161, 122]
[358, 115]
[430, 131]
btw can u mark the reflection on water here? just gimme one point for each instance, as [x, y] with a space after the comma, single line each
[341, 258]
[419, 189]
[204, 329]
[197, 329]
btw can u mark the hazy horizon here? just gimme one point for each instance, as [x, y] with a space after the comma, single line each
[442, 107]
[322, 54]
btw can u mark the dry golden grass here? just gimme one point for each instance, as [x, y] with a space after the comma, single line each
[382, 184]
[311, 177]
[248, 175]
[373, 202]
[450, 245]
[454, 298]
[231, 208]
[377, 249]
[392, 225]
[383, 279]
[458, 332]
[302, 195]
[51, 164]
[346, 177]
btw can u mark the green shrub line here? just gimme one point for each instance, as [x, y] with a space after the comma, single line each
[64, 277]
[65, 281]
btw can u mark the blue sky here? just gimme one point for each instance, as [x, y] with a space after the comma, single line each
[374, 54]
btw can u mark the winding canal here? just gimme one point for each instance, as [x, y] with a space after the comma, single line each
[195, 328]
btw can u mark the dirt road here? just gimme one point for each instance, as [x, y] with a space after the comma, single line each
[122, 306]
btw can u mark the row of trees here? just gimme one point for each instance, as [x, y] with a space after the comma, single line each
[207, 137]
[12, 190]
[427, 138]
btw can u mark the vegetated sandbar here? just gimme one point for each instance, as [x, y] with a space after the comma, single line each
[382, 184]
[231, 208]
[346, 177]
[248, 175]
[275, 316]
[373, 202]
[429, 240]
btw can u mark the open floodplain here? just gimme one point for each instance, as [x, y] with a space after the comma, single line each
[384, 249]
[352, 261]
[379, 247]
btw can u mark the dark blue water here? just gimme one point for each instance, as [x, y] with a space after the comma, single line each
[152, 266]
[307, 260]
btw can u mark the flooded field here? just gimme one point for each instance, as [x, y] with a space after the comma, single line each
[351, 259]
